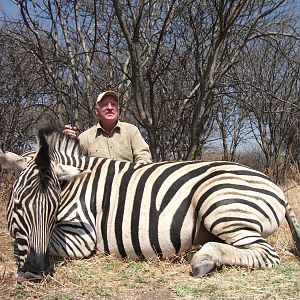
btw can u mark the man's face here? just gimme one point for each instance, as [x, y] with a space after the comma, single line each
[107, 109]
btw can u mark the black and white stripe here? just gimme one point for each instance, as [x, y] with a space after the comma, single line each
[132, 210]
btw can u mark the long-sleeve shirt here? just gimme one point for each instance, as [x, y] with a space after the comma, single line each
[124, 143]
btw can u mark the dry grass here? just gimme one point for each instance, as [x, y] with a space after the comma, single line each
[102, 277]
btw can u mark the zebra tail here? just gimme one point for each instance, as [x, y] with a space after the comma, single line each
[294, 226]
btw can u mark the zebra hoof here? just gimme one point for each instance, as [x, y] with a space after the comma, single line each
[203, 268]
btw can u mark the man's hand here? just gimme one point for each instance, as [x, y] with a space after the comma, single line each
[70, 131]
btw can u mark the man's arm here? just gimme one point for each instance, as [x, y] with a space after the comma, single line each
[140, 149]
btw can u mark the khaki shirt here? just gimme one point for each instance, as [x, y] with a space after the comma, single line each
[124, 143]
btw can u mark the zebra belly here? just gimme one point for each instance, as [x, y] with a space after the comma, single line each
[146, 249]
[140, 240]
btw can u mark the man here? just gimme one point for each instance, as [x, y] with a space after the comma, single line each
[111, 138]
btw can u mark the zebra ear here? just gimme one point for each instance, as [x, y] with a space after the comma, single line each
[69, 173]
[12, 161]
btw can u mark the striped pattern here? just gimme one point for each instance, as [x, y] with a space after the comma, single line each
[31, 213]
[142, 211]
[139, 211]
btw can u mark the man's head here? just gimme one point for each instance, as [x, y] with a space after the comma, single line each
[107, 108]
[105, 94]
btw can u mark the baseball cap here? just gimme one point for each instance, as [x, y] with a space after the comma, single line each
[107, 93]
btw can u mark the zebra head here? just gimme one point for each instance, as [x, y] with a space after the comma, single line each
[33, 205]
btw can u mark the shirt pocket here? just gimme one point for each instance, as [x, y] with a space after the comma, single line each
[124, 151]
[95, 152]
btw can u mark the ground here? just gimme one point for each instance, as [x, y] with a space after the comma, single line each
[102, 277]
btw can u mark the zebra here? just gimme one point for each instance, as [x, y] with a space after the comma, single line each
[67, 204]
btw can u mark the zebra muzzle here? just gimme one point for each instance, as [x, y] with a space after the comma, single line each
[28, 276]
[35, 268]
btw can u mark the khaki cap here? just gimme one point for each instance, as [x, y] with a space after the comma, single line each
[107, 93]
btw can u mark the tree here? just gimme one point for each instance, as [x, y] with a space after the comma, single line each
[182, 68]
[270, 91]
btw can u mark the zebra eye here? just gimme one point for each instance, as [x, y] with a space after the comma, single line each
[18, 206]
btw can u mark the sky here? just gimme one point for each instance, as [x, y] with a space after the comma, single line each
[8, 7]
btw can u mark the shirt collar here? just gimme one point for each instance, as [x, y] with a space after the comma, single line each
[100, 130]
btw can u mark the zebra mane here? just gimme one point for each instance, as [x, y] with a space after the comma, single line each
[43, 162]
[62, 149]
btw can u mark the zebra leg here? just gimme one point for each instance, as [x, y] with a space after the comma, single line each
[212, 255]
